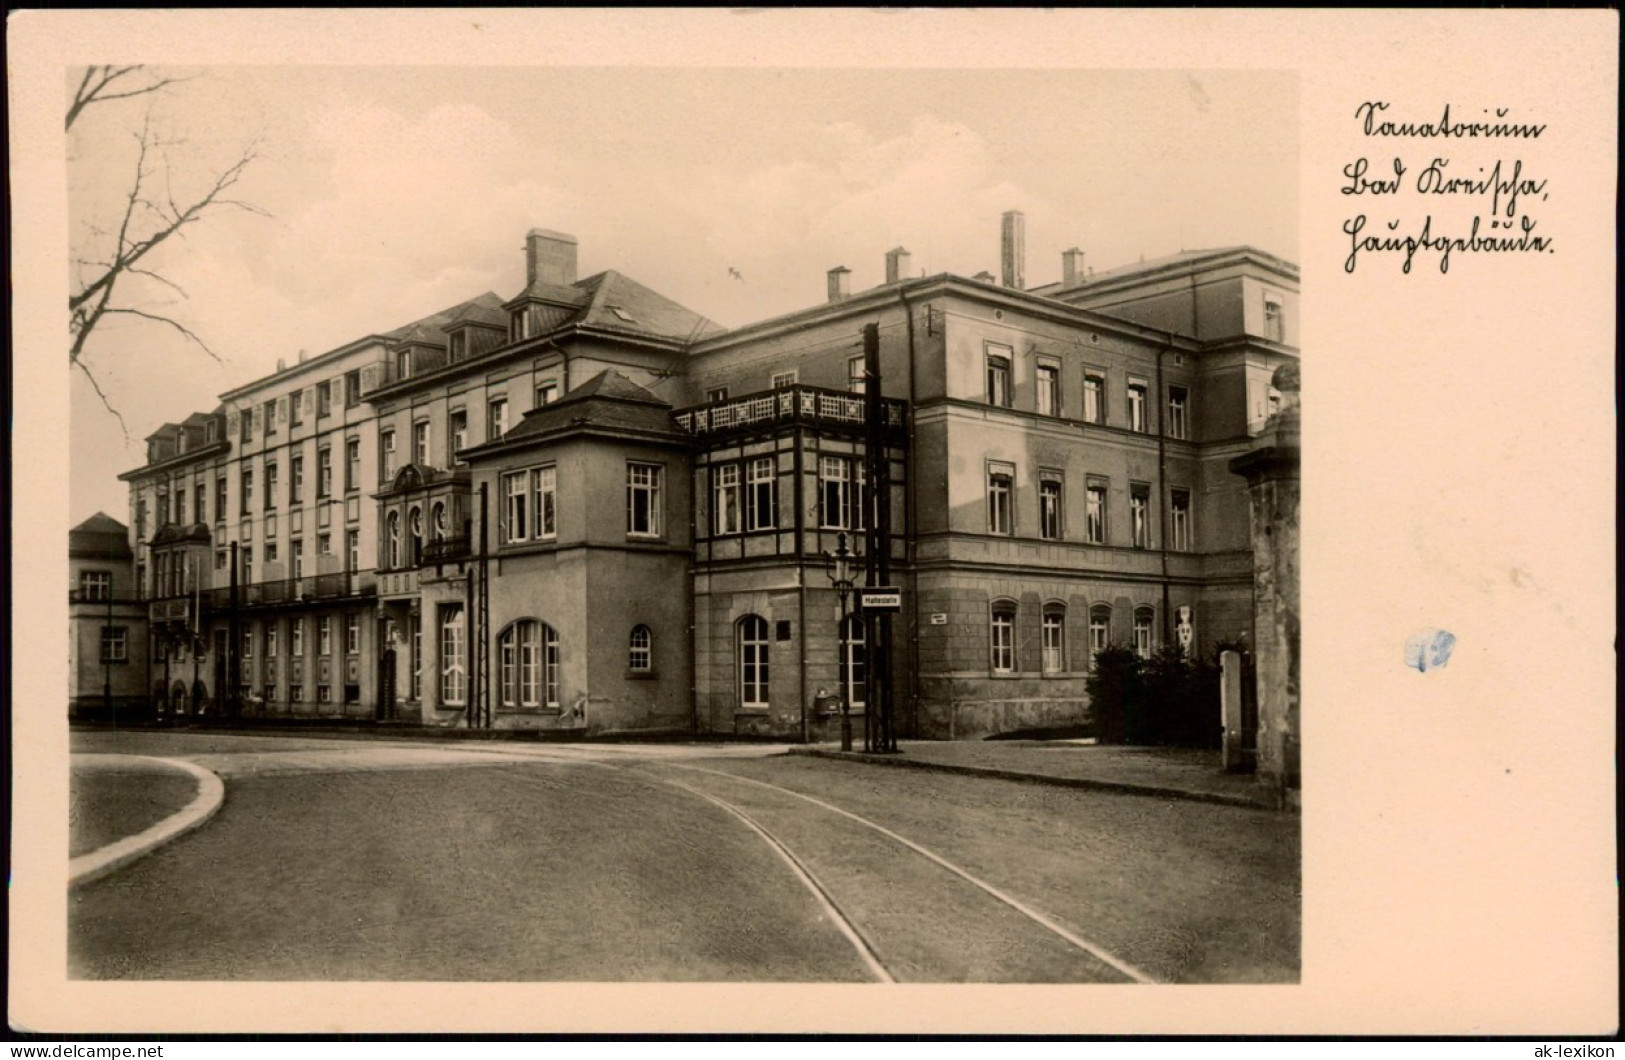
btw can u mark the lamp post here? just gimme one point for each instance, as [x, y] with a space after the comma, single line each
[840, 573]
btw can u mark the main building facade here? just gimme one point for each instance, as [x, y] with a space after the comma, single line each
[587, 508]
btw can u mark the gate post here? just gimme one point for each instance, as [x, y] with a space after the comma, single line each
[1236, 759]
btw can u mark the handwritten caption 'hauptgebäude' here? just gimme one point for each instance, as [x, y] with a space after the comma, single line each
[1447, 198]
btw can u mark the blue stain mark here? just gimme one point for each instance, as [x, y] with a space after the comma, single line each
[1429, 649]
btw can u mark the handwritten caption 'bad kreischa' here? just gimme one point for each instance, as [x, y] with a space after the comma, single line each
[1447, 197]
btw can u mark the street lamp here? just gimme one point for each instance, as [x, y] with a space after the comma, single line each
[840, 573]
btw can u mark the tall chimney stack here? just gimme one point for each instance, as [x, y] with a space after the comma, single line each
[898, 261]
[840, 283]
[1013, 249]
[550, 258]
[1071, 266]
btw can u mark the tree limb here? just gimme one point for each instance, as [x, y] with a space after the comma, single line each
[93, 89]
[96, 386]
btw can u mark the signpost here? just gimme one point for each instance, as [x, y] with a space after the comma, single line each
[881, 598]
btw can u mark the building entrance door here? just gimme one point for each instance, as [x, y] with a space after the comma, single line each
[386, 685]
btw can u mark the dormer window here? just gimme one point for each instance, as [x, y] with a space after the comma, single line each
[403, 363]
[521, 324]
[181, 442]
[458, 345]
[211, 432]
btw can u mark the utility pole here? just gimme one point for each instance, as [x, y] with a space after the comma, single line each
[878, 733]
[485, 619]
[233, 644]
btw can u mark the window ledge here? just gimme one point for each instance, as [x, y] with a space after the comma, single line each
[643, 675]
[753, 711]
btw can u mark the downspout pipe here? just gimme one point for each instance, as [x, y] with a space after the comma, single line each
[1162, 486]
[909, 522]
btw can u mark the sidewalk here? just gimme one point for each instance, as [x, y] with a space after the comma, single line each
[1171, 773]
[121, 807]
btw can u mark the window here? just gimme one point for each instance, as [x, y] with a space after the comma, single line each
[453, 672]
[1136, 405]
[352, 464]
[521, 324]
[296, 406]
[1180, 511]
[296, 638]
[1054, 639]
[856, 377]
[643, 499]
[516, 512]
[716, 394]
[403, 363]
[324, 398]
[271, 471]
[783, 379]
[438, 521]
[352, 549]
[414, 526]
[324, 635]
[725, 500]
[270, 640]
[998, 380]
[1049, 505]
[753, 660]
[459, 432]
[219, 559]
[1049, 390]
[1004, 638]
[201, 493]
[1100, 624]
[248, 490]
[840, 494]
[457, 347]
[180, 505]
[1274, 320]
[270, 551]
[352, 389]
[544, 484]
[854, 658]
[496, 419]
[248, 640]
[414, 624]
[270, 418]
[761, 495]
[386, 460]
[248, 566]
[219, 500]
[1094, 398]
[1179, 400]
[640, 652]
[324, 544]
[1142, 632]
[547, 393]
[1001, 481]
[420, 443]
[95, 585]
[1139, 512]
[1095, 514]
[297, 548]
[352, 634]
[392, 540]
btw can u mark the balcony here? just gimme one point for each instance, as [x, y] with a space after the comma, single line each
[447, 550]
[281, 591]
[788, 406]
[105, 596]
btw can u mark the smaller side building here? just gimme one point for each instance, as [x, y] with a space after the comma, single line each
[107, 622]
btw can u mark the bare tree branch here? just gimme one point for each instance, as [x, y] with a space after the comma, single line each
[161, 319]
[93, 88]
[96, 386]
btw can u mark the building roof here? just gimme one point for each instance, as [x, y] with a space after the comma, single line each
[1166, 263]
[620, 303]
[432, 328]
[607, 401]
[102, 536]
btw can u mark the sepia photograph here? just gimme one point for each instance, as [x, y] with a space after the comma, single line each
[714, 525]
[802, 522]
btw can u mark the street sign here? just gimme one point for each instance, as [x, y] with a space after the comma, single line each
[880, 598]
[939, 618]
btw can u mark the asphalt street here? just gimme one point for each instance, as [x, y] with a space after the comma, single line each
[347, 860]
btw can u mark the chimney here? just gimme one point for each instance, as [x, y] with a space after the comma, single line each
[550, 258]
[897, 264]
[1071, 266]
[302, 354]
[983, 277]
[1013, 249]
[282, 364]
[840, 283]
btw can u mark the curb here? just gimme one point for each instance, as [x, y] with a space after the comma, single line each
[98, 863]
[1117, 786]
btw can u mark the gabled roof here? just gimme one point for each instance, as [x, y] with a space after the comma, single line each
[102, 537]
[100, 523]
[479, 311]
[620, 303]
[432, 328]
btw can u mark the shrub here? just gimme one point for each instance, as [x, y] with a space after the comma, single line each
[1166, 700]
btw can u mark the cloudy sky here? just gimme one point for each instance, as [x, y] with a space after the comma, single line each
[393, 192]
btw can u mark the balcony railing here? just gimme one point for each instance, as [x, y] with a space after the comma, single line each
[105, 596]
[447, 550]
[788, 405]
[333, 586]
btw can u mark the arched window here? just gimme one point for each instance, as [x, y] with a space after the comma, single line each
[438, 521]
[393, 540]
[1142, 631]
[640, 653]
[1054, 643]
[753, 648]
[415, 521]
[453, 665]
[854, 657]
[1100, 626]
[1004, 637]
[528, 661]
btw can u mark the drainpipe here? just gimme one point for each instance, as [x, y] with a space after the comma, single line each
[910, 524]
[1162, 485]
[693, 577]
